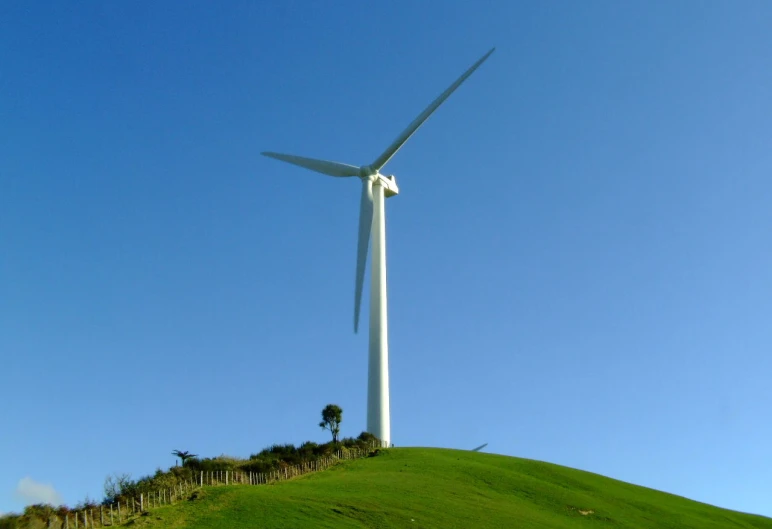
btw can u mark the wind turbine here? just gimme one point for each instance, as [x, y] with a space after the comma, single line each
[372, 217]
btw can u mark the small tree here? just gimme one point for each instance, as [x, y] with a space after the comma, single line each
[117, 485]
[184, 456]
[332, 415]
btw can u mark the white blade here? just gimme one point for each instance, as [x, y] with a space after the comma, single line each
[320, 166]
[365, 225]
[417, 122]
[479, 448]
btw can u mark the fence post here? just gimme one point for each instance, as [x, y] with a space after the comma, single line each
[226, 477]
[76, 519]
[119, 512]
[141, 502]
[67, 520]
[111, 514]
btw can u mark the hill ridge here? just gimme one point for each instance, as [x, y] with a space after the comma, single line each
[434, 487]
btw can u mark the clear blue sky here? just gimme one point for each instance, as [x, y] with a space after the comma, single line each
[580, 264]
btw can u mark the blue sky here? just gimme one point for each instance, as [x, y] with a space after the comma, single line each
[580, 266]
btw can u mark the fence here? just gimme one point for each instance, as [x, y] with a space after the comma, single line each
[122, 511]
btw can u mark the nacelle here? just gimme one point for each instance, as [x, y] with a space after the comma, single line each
[389, 184]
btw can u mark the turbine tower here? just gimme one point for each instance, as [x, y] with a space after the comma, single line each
[372, 217]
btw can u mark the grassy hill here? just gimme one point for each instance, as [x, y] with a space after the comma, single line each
[420, 488]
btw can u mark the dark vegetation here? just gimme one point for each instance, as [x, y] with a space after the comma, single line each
[184, 455]
[332, 416]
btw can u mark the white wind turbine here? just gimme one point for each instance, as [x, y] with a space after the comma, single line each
[372, 217]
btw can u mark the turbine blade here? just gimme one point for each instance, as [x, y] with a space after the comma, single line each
[365, 225]
[417, 122]
[320, 166]
[479, 448]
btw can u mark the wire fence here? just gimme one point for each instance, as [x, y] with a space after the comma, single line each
[125, 509]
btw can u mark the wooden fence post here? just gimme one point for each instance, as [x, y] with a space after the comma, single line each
[119, 512]
[111, 514]
[141, 502]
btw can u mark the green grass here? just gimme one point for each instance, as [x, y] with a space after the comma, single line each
[422, 488]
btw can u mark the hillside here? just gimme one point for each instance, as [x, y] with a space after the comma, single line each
[422, 488]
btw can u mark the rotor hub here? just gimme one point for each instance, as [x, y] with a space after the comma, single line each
[366, 171]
